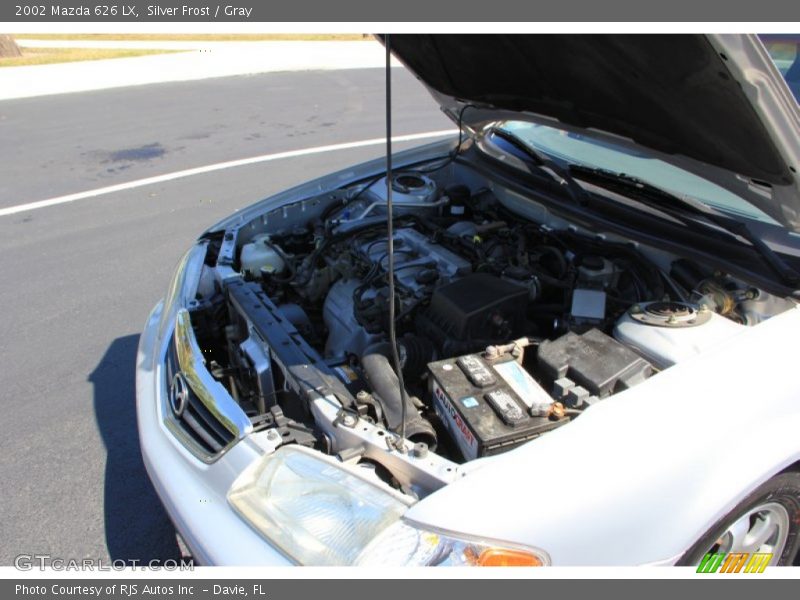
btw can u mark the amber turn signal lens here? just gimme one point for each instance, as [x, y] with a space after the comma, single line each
[505, 557]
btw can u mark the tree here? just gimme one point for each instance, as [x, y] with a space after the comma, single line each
[8, 47]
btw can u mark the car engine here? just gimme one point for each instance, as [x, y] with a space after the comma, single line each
[507, 328]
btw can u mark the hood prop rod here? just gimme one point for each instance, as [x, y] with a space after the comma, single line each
[398, 367]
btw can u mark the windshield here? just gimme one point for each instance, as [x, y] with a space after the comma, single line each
[785, 52]
[575, 148]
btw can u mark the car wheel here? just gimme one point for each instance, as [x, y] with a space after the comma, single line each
[768, 520]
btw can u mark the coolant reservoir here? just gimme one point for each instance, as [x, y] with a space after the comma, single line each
[666, 333]
[259, 254]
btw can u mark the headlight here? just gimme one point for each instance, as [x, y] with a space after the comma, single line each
[405, 544]
[320, 512]
[316, 510]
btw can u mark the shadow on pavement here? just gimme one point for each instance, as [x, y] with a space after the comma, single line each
[136, 525]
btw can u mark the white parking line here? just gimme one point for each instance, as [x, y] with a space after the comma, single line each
[12, 210]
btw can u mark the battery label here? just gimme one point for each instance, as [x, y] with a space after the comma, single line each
[526, 387]
[453, 421]
[469, 402]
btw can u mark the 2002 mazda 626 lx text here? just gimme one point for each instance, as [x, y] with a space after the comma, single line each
[594, 314]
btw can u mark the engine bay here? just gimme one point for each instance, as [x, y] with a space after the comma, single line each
[510, 322]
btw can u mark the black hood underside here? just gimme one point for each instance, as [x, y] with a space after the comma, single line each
[670, 93]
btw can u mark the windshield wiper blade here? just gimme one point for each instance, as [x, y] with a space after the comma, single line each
[659, 197]
[667, 202]
[544, 163]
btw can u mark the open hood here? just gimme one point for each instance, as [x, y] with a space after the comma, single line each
[714, 105]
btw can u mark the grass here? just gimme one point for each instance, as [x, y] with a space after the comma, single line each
[192, 37]
[46, 56]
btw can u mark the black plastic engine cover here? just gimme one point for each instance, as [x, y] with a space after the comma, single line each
[594, 361]
[476, 307]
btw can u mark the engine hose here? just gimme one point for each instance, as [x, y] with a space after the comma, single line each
[289, 265]
[384, 383]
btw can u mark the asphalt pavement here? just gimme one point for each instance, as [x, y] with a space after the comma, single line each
[79, 279]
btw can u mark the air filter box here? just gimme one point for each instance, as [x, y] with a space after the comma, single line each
[476, 307]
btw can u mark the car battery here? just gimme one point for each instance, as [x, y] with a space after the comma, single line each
[488, 408]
